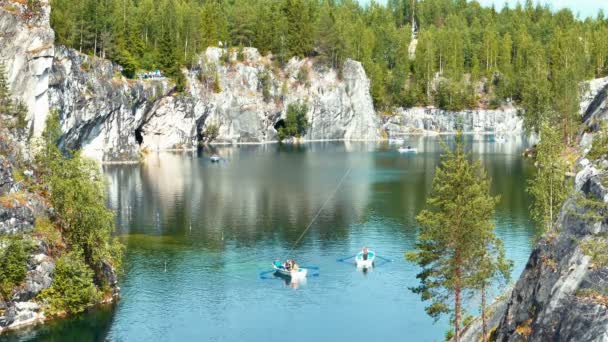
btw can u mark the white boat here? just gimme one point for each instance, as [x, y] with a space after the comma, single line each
[500, 139]
[408, 150]
[395, 141]
[365, 263]
[299, 273]
[215, 158]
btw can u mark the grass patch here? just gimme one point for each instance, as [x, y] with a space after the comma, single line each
[594, 296]
[47, 232]
[12, 200]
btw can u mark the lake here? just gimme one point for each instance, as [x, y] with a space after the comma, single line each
[200, 239]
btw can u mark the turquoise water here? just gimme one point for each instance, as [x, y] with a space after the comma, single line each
[201, 238]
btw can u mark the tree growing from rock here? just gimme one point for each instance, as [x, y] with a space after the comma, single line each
[489, 266]
[456, 231]
[5, 94]
[548, 187]
[296, 122]
[13, 265]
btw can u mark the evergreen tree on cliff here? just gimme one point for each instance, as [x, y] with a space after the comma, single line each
[455, 231]
[5, 94]
[548, 188]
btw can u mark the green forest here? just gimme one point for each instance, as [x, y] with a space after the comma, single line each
[467, 55]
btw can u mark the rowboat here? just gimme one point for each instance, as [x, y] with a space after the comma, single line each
[299, 273]
[215, 158]
[408, 150]
[365, 263]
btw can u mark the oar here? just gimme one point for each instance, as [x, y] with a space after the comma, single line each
[343, 259]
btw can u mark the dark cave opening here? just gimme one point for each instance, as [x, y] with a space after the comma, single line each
[138, 136]
[279, 124]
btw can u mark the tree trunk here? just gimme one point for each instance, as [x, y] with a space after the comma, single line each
[457, 302]
[484, 323]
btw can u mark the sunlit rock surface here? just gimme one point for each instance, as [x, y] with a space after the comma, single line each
[26, 49]
[502, 121]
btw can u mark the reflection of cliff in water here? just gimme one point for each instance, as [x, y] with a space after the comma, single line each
[259, 192]
[409, 178]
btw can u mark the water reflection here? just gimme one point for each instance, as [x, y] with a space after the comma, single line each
[199, 234]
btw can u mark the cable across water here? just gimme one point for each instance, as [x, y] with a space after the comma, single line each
[319, 211]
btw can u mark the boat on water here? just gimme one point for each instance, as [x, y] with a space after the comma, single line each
[215, 158]
[408, 149]
[500, 139]
[365, 262]
[299, 273]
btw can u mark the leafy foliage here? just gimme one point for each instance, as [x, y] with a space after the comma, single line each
[599, 148]
[14, 252]
[296, 121]
[548, 187]
[73, 289]
[77, 194]
[528, 54]
[596, 249]
[211, 132]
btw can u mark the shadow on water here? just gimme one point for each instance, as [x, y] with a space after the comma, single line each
[93, 325]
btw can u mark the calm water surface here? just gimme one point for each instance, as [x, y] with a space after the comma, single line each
[200, 238]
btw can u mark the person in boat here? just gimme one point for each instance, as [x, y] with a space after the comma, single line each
[294, 266]
[287, 265]
[409, 147]
[365, 252]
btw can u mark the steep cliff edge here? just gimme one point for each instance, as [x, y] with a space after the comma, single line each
[562, 294]
[109, 117]
[505, 120]
[27, 50]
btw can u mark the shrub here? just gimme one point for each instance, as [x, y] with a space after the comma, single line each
[47, 232]
[265, 85]
[73, 289]
[13, 265]
[304, 75]
[211, 132]
[296, 122]
[216, 84]
[240, 54]
[599, 147]
[596, 250]
[77, 193]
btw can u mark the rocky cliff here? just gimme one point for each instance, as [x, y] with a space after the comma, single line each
[110, 117]
[26, 41]
[505, 120]
[562, 294]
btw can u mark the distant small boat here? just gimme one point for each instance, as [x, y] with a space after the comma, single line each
[408, 149]
[501, 139]
[215, 158]
[365, 263]
[299, 273]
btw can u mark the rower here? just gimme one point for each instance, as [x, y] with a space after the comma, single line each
[365, 253]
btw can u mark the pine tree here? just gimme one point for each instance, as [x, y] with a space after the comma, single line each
[454, 230]
[548, 187]
[490, 265]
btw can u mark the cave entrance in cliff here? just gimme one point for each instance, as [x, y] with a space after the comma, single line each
[139, 136]
[279, 124]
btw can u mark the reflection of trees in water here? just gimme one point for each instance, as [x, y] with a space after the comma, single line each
[403, 195]
[256, 195]
[271, 192]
